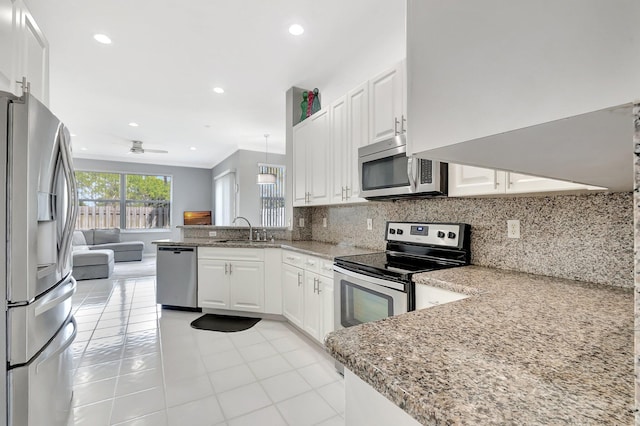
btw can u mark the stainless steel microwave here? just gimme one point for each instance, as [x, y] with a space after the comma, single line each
[387, 173]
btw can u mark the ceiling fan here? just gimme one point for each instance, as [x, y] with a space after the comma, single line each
[136, 148]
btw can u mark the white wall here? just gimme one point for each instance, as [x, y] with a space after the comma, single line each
[245, 164]
[191, 190]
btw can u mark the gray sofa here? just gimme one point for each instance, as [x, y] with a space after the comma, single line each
[96, 250]
[109, 239]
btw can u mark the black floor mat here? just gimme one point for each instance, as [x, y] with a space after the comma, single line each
[224, 323]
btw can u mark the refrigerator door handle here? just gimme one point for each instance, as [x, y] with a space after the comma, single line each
[50, 304]
[64, 346]
[72, 211]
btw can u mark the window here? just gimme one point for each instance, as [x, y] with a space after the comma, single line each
[272, 210]
[144, 199]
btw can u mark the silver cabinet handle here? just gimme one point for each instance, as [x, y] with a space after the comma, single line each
[226, 268]
[402, 129]
[346, 191]
[315, 282]
[230, 270]
[319, 289]
[299, 279]
[343, 193]
[395, 125]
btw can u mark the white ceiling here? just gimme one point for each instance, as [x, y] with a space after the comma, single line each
[168, 55]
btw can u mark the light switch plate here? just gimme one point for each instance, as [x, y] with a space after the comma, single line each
[369, 224]
[324, 222]
[213, 233]
[301, 222]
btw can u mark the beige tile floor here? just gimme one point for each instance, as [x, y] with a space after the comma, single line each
[137, 364]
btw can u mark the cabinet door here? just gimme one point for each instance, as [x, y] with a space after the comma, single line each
[358, 135]
[519, 183]
[34, 56]
[292, 294]
[468, 180]
[328, 306]
[312, 305]
[301, 140]
[213, 284]
[339, 150]
[8, 45]
[386, 104]
[246, 286]
[318, 158]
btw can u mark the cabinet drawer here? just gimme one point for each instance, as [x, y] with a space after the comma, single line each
[312, 263]
[293, 258]
[326, 268]
[428, 297]
[231, 254]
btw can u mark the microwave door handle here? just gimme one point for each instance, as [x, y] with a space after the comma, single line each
[411, 173]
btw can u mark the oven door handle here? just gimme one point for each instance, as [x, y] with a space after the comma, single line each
[367, 278]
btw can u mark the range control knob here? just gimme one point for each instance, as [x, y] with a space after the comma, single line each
[440, 234]
[400, 231]
[392, 231]
[451, 235]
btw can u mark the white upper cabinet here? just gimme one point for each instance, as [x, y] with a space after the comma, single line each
[357, 136]
[386, 106]
[318, 158]
[301, 137]
[311, 147]
[35, 57]
[542, 88]
[339, 149]
[8, 45]
[469, 180]
[24, 51]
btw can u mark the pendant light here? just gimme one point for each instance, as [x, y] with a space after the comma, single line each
[266, 178]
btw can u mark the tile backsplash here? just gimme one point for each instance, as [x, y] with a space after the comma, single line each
[581, 237]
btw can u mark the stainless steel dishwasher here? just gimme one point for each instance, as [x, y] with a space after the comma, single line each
[176, 277]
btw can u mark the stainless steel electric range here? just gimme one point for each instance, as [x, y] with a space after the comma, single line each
[378, 285]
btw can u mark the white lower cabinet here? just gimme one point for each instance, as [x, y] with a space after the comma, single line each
[292, 294]
[231, 278]
[308, 293]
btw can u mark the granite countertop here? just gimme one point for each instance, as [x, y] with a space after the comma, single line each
[315, 248]
[523, 349]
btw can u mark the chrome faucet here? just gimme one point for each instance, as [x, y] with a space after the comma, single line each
[248, 223]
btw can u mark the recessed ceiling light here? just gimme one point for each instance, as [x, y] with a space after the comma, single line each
[101, 38]
[218, 90]
[132, 124]
[296, 29]
[192, 148]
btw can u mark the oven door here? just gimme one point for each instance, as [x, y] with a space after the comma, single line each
[361, 298]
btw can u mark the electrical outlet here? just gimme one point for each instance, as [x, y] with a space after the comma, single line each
[324, 222]
[513, 229]
[369, 224]
[301, 222]
[213, 233]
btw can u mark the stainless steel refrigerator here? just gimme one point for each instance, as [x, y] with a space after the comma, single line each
[39, 210]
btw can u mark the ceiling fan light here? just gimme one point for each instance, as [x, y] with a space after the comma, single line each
[266, 179]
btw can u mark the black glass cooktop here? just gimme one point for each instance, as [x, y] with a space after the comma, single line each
[389, 265]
